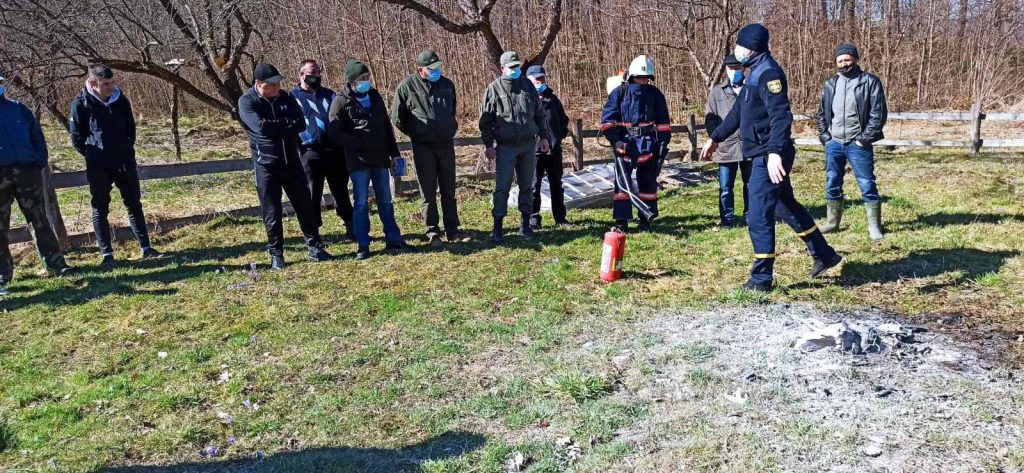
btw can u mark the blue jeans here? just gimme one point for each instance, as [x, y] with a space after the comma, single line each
[381, 179]
[862, 161]
[726, 196]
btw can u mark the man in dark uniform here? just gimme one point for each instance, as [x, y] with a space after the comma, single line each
[763, 116]
[550, 164]
[273, 120]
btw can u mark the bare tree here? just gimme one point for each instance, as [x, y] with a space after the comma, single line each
[142, 37]
[477, 20]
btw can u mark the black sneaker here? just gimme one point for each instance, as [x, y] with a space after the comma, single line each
[150, 253]
[107, 261]
[276, 262]
[434, 239]
[644, 226]
[318, 254]
[362, 254]
[750, 285]
[820, 266]
[399, 247]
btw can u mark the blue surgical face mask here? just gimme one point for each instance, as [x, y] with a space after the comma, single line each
[363, 86]
[513, 73]
[736, 77]
[434, 75]
[541, 87]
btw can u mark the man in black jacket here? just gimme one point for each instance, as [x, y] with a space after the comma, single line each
[359, 123]
[850, 118]
[550, 163]
[103, 131]
[273, 120]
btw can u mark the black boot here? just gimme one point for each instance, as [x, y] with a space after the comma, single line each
[820, 266]
[622, 226]
[318, 253]
[644, 226]
[750, 285]
[525, 228]
[276, 262]
[498, 234]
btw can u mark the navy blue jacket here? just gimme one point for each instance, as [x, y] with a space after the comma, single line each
[636, 105]
[21, 139]
[103, 132]
[316, 107]
[761, 112]
[273, 126]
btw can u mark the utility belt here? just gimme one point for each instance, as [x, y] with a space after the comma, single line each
[642, 130]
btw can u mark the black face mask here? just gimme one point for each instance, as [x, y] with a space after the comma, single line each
[848, 70]
[312, 81]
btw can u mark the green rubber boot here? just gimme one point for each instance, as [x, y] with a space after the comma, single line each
[833, 217]
[874, 210]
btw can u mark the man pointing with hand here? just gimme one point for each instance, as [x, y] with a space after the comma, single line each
[763, 116]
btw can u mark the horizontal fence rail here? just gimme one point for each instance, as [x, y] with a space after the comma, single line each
[578, 134]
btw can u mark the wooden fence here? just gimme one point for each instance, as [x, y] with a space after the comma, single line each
[578, 161]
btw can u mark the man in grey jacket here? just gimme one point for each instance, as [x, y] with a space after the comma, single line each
[512, 120]
[850, 118]
[730, 152]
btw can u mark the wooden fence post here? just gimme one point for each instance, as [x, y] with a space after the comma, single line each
[577, 144]
[976, 140]
[53, 209]
[175, 132]
[691, 132]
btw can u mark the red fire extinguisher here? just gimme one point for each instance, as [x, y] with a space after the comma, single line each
[612, 254]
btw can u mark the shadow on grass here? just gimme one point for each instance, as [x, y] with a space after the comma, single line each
[327, 460]
[946, 219]
[971, 263]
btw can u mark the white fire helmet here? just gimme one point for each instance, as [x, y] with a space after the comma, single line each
[641, 66]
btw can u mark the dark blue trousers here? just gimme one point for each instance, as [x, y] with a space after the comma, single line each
[769, 201]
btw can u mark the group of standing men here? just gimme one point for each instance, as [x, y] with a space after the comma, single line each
[750, 121]
[300, 139]
[102, 128]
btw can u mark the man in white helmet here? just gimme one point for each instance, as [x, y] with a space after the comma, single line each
[636, 122]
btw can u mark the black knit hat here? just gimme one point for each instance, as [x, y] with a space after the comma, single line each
[753, 37]
[354, 69]
[847, 48]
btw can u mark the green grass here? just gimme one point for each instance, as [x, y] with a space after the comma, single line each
[453, 359]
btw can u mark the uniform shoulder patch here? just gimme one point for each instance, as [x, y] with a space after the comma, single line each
[775, 86]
